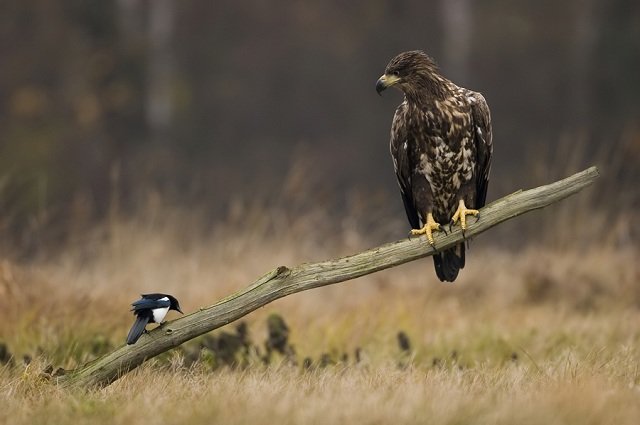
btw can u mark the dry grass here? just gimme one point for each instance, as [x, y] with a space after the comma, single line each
[529, 337]
[566, 391]
[597, 389]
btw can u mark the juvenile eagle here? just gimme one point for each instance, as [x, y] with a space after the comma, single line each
[441, 149]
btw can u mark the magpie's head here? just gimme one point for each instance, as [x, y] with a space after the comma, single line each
[175, 305]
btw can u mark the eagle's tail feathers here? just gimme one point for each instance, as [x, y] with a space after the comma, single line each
[448, 263]
[137, 330]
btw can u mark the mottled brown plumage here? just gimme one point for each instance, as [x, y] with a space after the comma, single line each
[441, 148]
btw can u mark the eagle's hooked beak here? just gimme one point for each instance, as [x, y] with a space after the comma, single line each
[386, 81]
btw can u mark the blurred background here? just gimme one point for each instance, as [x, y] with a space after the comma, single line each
[225, 109]
[187, 147]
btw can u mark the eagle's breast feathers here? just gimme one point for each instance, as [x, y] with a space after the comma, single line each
[438, 141]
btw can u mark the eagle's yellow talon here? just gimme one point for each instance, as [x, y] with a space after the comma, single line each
[427, 229]
[461, 215]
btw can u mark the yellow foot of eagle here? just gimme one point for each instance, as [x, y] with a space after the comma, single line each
[427, 229]
[461, 215]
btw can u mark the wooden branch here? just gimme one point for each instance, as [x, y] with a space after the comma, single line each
[284, 281]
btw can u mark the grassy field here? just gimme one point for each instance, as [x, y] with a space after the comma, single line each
[548, 333]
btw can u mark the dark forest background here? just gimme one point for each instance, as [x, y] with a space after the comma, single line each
[104, 104]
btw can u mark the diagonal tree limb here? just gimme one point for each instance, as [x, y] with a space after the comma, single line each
[284, 281]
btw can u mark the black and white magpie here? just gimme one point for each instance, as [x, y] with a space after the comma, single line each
[151, 308]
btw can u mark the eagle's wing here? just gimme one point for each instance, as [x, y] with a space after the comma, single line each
[148, 303]
[484, 146]
[402, 165]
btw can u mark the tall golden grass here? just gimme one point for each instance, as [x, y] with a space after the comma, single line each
[543, 332]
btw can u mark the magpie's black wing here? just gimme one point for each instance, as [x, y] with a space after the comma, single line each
[149, 303]
[137, 329]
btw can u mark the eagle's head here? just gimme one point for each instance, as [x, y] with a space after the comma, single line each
[409, 72]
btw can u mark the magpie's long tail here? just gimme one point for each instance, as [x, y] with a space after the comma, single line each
[137, 329]
[448, 263]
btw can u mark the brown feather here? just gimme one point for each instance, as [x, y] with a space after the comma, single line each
[441, 145]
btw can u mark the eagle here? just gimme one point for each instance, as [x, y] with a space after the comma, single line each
[441, 149]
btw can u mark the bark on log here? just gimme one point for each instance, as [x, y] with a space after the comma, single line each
[283, 281]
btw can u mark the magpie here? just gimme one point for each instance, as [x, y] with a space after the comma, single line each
[151, 308]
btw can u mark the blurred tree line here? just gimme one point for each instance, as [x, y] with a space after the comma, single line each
[104, 102]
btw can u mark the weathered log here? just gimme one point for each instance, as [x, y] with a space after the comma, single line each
[283, 281]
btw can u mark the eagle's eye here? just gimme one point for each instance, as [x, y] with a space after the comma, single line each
[396, 73]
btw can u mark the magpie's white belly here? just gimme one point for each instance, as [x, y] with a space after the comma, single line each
[159, 314]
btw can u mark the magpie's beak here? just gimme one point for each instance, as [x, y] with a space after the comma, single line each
[178, 310]
[386, 81]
